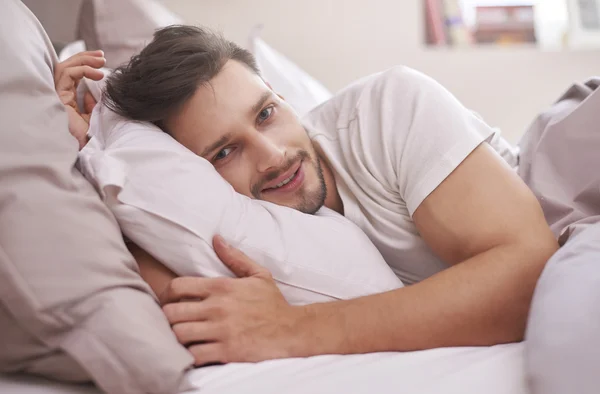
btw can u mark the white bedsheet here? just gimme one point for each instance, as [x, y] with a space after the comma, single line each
[490, 370]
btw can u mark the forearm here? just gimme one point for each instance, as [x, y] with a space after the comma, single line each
[151, 270]
[481, 301]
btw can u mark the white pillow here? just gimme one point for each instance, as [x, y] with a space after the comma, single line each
[299, 89]
[172, 202]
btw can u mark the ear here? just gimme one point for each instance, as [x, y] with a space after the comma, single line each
[271, 87]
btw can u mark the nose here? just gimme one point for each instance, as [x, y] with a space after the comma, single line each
[270, 155]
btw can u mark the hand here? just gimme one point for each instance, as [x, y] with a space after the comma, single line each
[67, 76]
[225, 320]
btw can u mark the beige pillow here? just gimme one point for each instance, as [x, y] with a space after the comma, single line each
[560, 161]
[72, 305]
[121, 28]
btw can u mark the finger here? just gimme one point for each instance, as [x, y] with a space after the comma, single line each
[77, 126]
[71, 77]
[67, 97]
[81, 58]
[76, 73]
[191, 332]
[240, 264]
[82, 141]
[208, 353]
[185, 311]
[89, 102]
[77, 61]
[92, 61]
[185, 287]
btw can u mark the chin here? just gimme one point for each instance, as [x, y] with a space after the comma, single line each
[297, 204]
[304, 204]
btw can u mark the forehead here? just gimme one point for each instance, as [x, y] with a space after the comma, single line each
[219, 106]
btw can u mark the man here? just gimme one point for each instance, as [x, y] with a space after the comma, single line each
[395, 153]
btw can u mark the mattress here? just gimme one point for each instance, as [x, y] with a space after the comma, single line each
[490, 370]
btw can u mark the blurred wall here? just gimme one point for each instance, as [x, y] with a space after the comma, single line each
[338, 41]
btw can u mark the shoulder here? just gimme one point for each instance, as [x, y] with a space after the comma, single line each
[397, 83]
[405, 88]
[401, 77]
[397, 86]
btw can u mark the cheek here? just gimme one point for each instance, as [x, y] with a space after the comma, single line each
[238, 176]
[294, 137]
[289, 129]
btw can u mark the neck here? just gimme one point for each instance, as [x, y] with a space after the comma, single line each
[332, 200]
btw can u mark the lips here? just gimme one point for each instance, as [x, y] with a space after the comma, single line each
[286, 177]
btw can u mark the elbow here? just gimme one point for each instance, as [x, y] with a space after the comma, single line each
[532, 254]
[535, 237]
[537, 247]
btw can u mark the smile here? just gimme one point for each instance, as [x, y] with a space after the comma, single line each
[288, 182]
[285, 182]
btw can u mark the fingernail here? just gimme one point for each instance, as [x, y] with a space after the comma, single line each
[222, 240]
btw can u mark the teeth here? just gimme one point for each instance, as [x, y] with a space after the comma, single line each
[285, 181]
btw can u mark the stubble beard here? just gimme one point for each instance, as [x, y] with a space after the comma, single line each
[310, 201]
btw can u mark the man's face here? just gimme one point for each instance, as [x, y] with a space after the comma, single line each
[253, 138]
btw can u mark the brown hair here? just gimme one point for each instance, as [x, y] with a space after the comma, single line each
[166, 73]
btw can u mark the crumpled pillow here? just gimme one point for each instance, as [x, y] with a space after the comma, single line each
[172, 202]
[72, 304]
[560, 159]
[560, 162]
[562, 342]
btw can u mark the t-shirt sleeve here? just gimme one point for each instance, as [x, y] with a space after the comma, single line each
[427, 132]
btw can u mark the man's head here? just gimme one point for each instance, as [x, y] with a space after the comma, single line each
[207, 93]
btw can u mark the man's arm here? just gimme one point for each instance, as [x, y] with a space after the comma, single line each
[151, 270]
[485, 222]
[482, 219]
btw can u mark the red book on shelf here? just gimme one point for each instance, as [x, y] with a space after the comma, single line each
[434, 17]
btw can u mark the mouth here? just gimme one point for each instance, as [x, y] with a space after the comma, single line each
[288, 182]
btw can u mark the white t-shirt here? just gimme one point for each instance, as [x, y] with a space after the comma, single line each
[391, 139]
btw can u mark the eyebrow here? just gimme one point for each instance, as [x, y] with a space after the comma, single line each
[225, 138]
[215, 145]
[261, 101]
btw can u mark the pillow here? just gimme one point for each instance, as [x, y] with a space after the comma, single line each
[562, 347]
[172, 202]
[559, 162]
[121, 28]
[300, 90]
[72, 305]
[559, 158]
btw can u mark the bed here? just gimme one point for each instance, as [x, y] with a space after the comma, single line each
[490, 370]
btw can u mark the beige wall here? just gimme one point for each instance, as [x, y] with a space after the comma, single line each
[338, 41]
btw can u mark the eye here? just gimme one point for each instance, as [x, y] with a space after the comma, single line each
[223, 153]
[265, 114]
